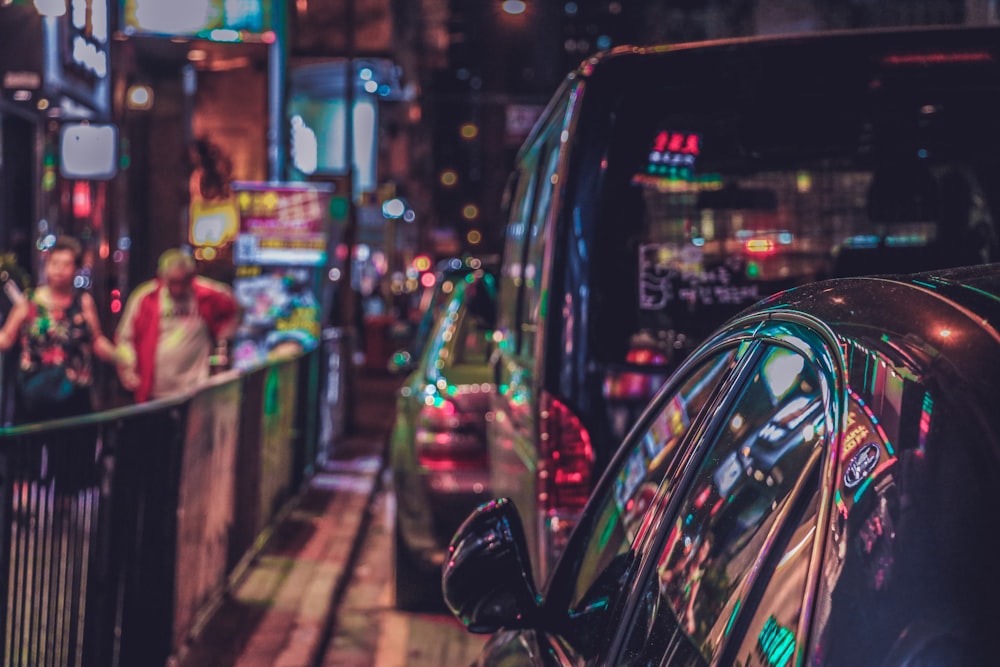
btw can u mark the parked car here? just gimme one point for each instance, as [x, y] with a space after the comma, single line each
[438, 441]
[447, 272]
[664, 189]
[816, 484]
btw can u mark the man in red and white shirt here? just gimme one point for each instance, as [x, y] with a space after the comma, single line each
[169, 328]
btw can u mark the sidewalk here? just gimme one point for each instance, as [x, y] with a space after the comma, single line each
[280, 613]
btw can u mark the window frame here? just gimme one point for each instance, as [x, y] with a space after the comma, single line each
[820, 346]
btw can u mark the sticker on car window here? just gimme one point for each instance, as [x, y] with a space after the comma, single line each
[861, 465]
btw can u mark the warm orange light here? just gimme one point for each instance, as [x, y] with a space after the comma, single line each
[760, 246]
[474, 237]
[470, 212]
[469, 131]
[449, 178]
[139, 97]
[422, 263]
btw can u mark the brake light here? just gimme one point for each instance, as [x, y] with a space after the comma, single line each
[567, 458]
[450, 436]
[565, 472]
[645, 356]
[629, 386]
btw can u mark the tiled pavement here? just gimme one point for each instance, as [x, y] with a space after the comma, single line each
[280, 612]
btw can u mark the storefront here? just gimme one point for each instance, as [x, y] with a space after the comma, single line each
[57, 147]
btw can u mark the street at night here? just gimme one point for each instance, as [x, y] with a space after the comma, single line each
[649, 332]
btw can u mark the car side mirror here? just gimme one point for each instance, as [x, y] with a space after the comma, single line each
[487, 582]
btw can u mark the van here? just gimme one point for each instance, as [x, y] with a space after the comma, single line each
[666, 188]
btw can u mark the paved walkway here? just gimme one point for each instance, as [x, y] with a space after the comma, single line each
[371, 632]
[280, 613]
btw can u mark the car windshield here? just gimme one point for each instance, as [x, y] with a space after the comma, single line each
[722, 195]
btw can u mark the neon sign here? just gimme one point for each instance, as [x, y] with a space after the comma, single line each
[673, 153]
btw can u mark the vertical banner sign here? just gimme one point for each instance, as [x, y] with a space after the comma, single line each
[280, 254]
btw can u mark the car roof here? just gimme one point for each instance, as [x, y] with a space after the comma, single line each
[878, 40]
[899, 302]
[942, 323]
[759, 67]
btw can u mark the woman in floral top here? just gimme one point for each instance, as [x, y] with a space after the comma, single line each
[59, 331]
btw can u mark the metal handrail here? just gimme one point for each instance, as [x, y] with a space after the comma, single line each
[118, 529]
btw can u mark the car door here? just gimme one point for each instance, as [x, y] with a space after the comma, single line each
[587, 586]
[745, 510]
[514, 437]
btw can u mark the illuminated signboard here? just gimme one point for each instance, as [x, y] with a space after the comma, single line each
[219, 20]
[213, 223]
[21, 66]
[282, 224]
[86, 50]
[673, 153]
[88, 151]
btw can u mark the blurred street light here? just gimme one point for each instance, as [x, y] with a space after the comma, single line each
[51, 7]
[514, 7]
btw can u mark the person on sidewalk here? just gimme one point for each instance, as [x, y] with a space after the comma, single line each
[170, 327]
[59, 333]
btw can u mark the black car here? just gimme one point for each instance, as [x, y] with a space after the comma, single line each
[666, 188]
[816, 484]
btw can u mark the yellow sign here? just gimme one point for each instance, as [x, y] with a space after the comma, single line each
[213, 223]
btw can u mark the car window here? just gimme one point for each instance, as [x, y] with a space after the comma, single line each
[538, 241]
[512, 268]
[771, 638]
[621, 514]
[444, 329]
[717, 540]
[473, 337]
[714, 205]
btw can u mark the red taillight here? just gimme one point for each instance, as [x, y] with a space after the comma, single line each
[449, 436]
[565, 477]
[566, 468]
[624, 385]
[645, 356]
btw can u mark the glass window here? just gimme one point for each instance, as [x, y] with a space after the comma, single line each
[532, 306]
[770, 640]
[512, 269]
[618, 521]
[721, 239]
[473, 340]
[714, 201]
[718, 539]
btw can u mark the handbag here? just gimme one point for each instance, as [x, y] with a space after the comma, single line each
[46, 386]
